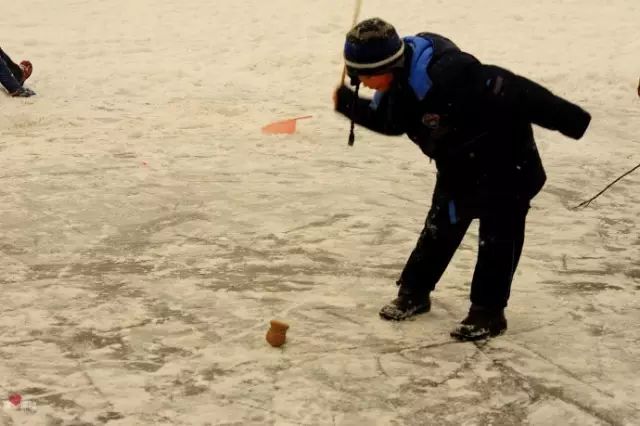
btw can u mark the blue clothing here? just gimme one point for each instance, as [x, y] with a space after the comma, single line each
[419, 79]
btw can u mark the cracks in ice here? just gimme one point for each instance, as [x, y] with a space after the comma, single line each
[380, 367]
[330, 311]
[58, 341]
[383, 351]
[19, 342]
[565, 370]
[266, 410]
[537, 327]
[539, 390]
[320, 223]
[400, 197]
[536, 390]
[384, 373]
[466, 364]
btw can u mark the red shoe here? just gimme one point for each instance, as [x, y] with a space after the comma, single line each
[27, 69]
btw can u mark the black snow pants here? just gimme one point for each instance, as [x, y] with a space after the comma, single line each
[501, 236]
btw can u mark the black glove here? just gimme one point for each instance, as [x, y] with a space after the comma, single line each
[23, 92]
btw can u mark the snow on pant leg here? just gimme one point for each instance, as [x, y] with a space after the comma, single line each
[501, 237]
[438, 241]
[13, 67]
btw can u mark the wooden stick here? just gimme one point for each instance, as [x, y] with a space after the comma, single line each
[586, 203]
[356, 13]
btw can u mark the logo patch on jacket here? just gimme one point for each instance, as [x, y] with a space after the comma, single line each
[431, 121]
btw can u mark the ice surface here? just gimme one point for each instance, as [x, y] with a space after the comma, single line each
[149, 231]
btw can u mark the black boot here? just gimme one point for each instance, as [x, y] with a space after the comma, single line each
[481, 323]
[405, 306]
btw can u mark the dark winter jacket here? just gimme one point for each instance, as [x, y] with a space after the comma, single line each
[473, 119]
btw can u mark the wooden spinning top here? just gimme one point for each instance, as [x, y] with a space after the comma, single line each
[277, 334]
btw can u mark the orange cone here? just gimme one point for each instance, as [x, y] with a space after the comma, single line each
[283, 127]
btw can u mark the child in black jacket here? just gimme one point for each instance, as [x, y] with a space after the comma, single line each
[474, 121]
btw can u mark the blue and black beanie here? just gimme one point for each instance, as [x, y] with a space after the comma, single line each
[373, 47]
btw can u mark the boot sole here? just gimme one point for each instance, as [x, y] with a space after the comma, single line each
[470, 338]
[417, 312]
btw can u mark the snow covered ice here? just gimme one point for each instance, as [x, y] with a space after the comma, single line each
[149, 231]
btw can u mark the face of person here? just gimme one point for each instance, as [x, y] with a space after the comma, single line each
[380, 82]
